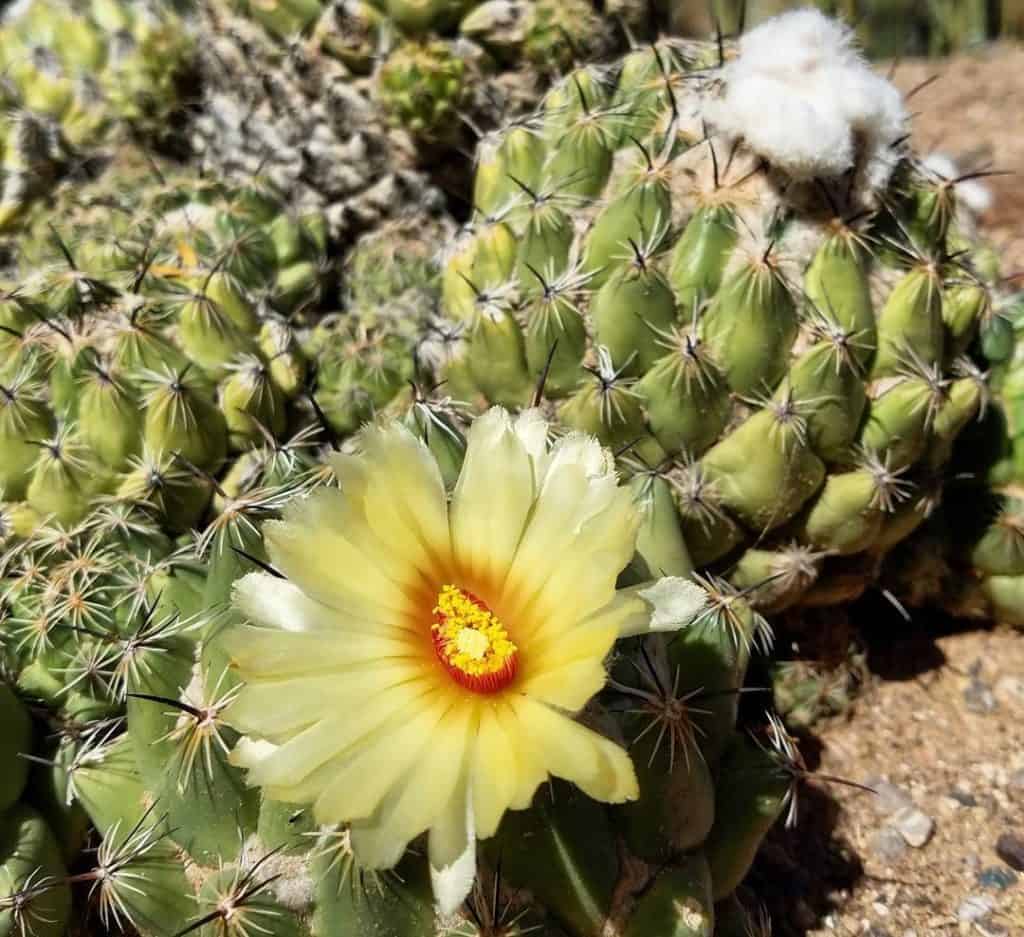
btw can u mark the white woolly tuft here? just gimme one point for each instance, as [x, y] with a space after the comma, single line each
[294, 885]
[801, 96]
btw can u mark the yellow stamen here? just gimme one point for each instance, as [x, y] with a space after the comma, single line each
[471, 641]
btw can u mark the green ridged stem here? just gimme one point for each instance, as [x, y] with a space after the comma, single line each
[831, 388]
[678, 904]
[562, 850]
[28, 853]
[897, 420]
[752, 792]
[497, 360]
[633, 219]
[686, 398]
[766, 491]
[660, 547]
[846, 516]
[750, 326]
[518, 156]
[910, 323]
[836, 283]
[628, 311]
[698, 260]
[15, 741]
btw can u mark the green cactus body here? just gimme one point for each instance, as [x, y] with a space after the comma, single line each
[106, 68]
[679, 903]
[29, 862]
[752, 796]
[15, 736]
[910, 323]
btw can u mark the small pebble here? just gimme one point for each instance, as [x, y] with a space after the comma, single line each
[1010, 848]
[887, 844]
[990, 929]
[964, 798]
[1010, 690]
[914, 825]
[889, 797]
[979, 698]
[975, 908]
[996, 877]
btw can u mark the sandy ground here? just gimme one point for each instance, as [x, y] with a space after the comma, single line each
[940, 736]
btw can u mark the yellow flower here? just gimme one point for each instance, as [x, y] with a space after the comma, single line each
[418, 668]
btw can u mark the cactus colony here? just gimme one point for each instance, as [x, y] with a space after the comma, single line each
[777, 348]
[233, 469]
[76, 76]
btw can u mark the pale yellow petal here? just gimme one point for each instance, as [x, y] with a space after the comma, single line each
[377, 764]
[626, 613]
[670, 603]
[311, 786]
[492, 498]
[278, 603]
[531, 770]
[584, 451]
[580, 535]
[377, 845]
[274, 706]
[248, 753]
[330, 568]
[550, 650]
[342, 514]
[532, 429]
[494, 772]
[583, 578]
[399, 725]
[302, 754]
[570, 686]
[599, 767]
[265, 653]
[403, 494]
[403, 560]
[665, 604]
[411, 807]
[551, 530]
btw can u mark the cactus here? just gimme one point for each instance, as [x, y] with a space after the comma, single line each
[302, 595]
[130, 645]
[969, 557]
[294, 114]
[762, 320]
[421, 87]
[76, 75]
[966, 557]
[406, 84]
[141, 353]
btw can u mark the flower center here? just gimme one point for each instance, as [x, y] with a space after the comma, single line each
[471, 642]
